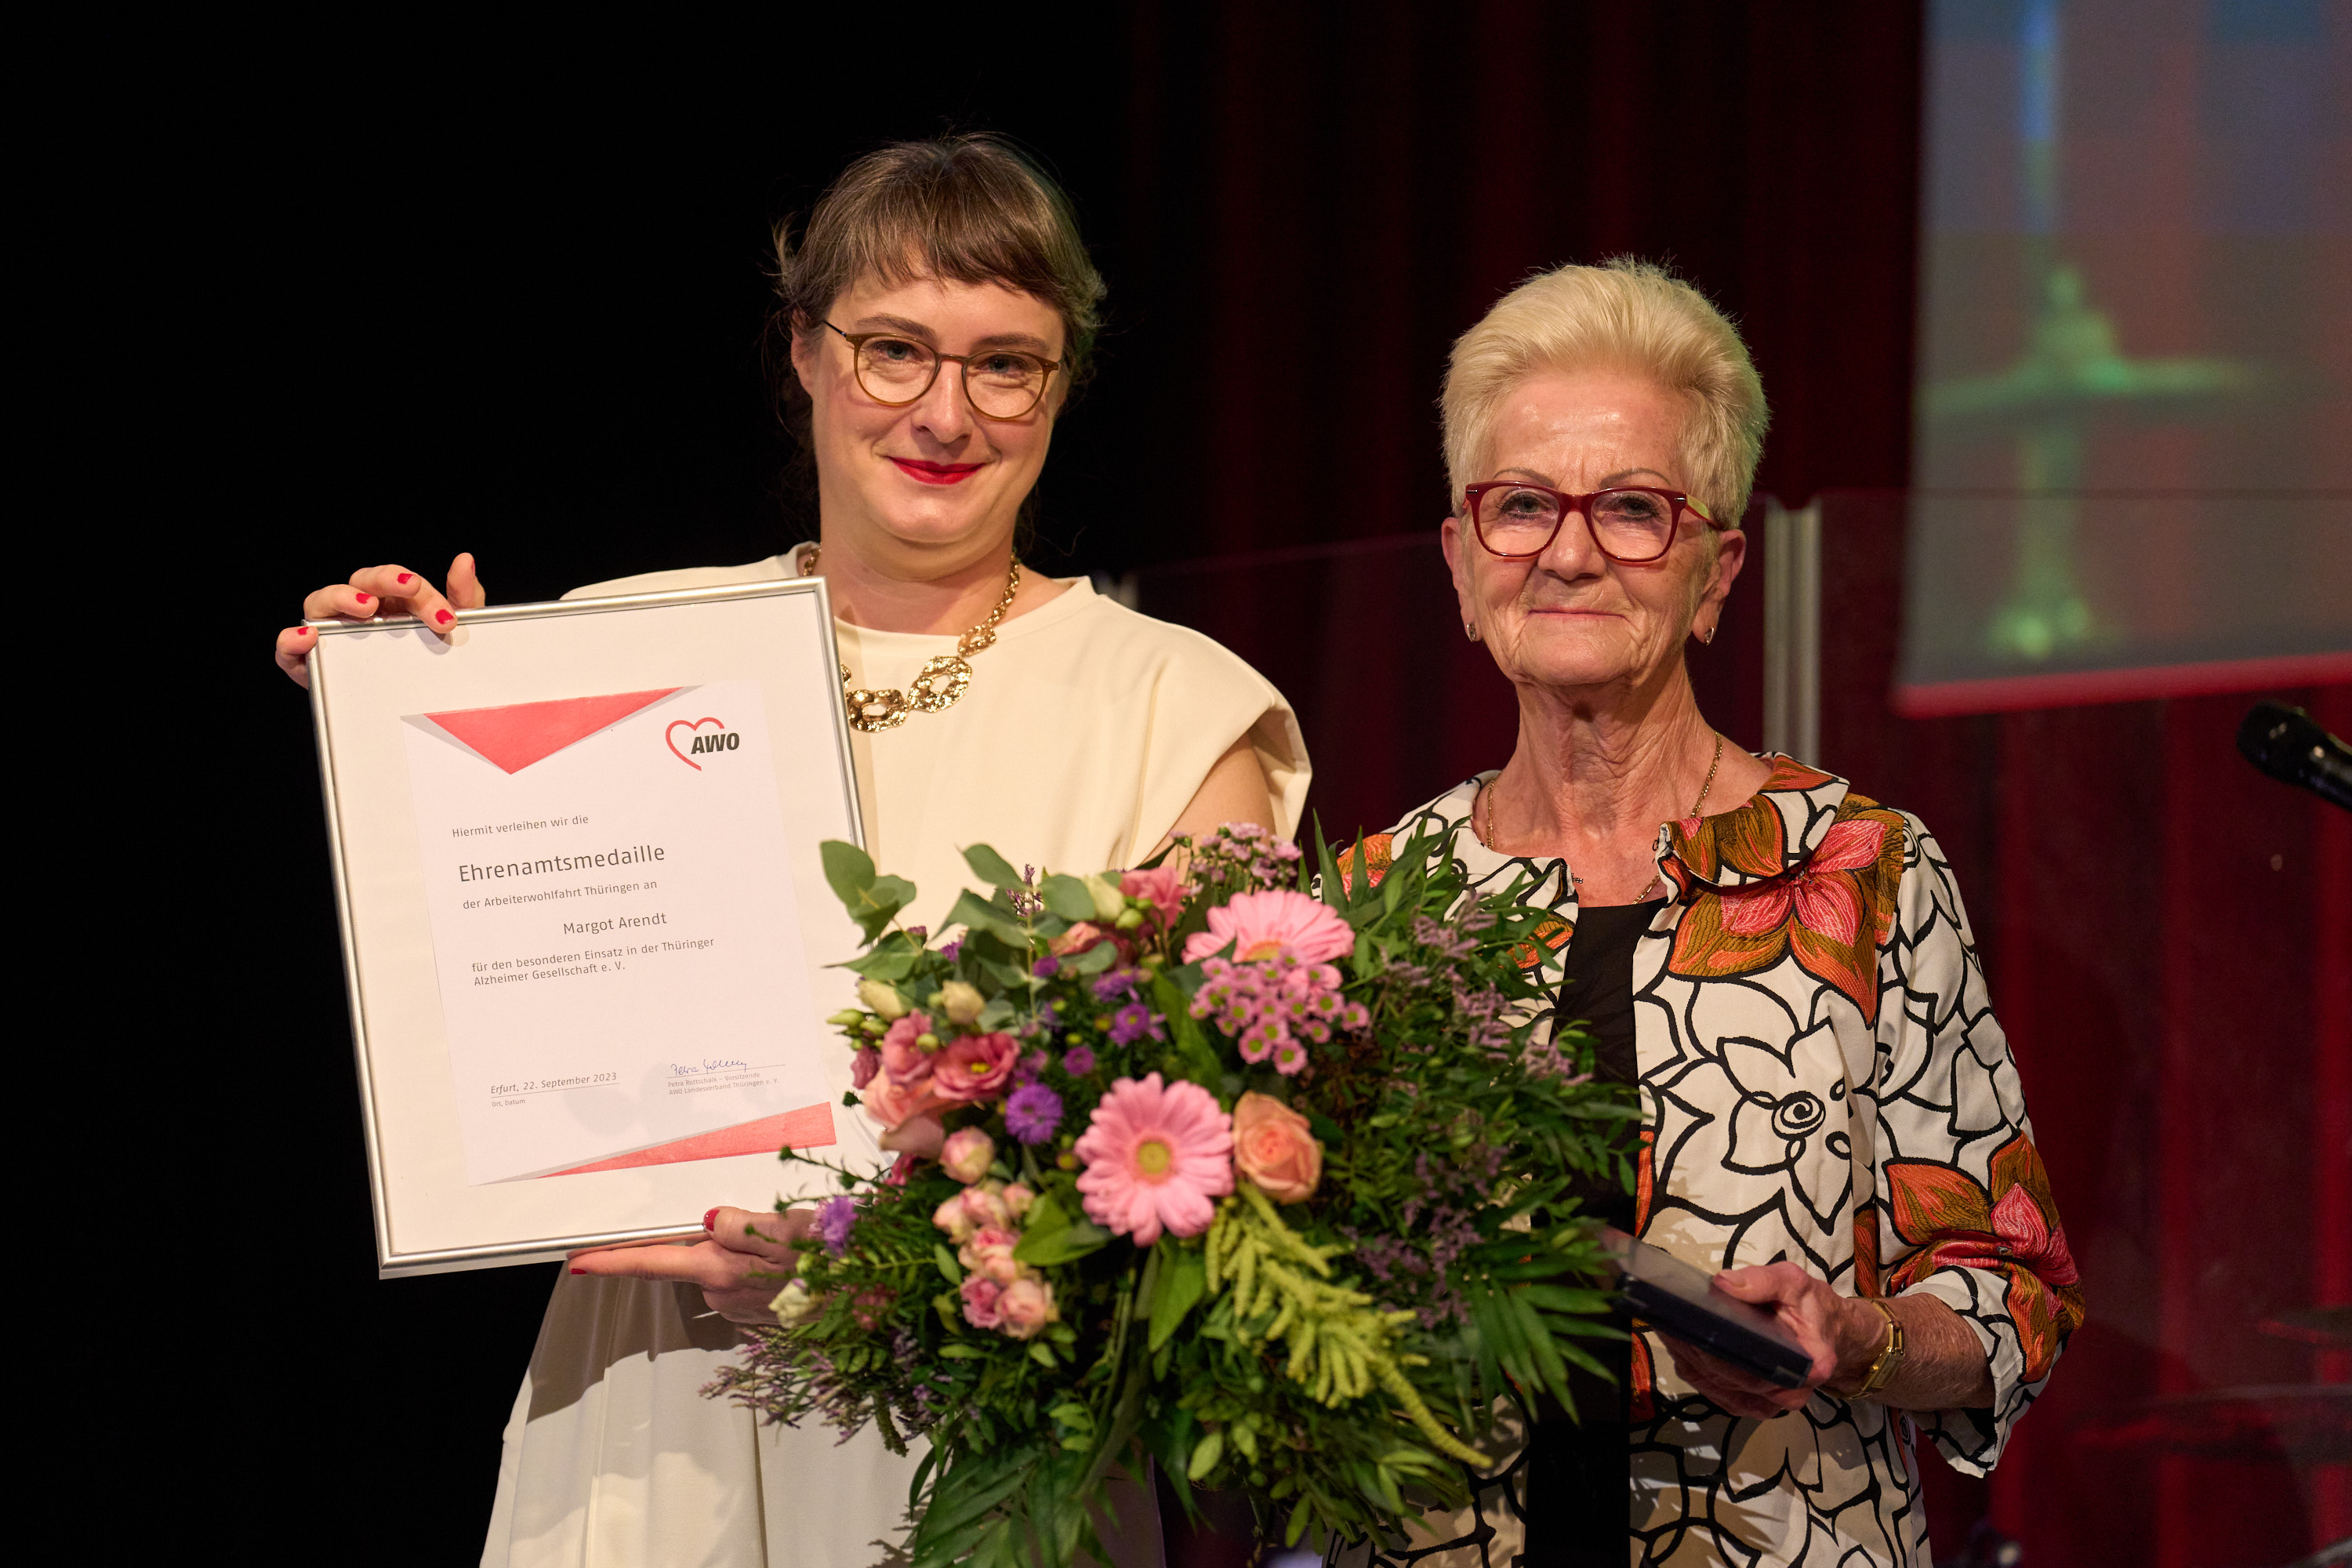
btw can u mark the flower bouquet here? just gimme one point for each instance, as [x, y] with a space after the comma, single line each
[1260, 1178]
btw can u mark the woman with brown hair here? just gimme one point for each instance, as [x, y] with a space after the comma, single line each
[938, 310]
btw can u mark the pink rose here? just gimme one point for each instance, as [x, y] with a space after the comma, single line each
[1162, 886]
[1017, 1199]
[975, 1067]
[1273, 1147]
[989, 1253]
[1026, 1307]
[1076, 939]
[905, 1061]
[861, 1071]
[981, 1296]
[967, 1153]
[979, 1208]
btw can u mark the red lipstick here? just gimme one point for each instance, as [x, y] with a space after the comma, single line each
[936, 473]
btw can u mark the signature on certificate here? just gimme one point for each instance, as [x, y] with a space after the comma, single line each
[710, 1064]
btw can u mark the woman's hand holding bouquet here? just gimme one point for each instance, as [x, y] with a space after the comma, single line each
[1200, 1166]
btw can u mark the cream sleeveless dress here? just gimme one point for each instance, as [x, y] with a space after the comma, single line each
[1086, 731]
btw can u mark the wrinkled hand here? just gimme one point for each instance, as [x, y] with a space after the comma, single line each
[1840, 1332]
[381, 591]
[747, 1259]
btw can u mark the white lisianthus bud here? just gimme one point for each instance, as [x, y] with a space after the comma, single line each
[883, 1001]
[961, 1001]
[1109, 903]
[793, 1303]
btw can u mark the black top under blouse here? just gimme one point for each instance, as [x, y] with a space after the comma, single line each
[1578, 1477]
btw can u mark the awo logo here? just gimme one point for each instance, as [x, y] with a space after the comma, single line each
[698, 744]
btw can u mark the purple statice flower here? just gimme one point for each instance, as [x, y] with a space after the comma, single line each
[1133, 1022]
[1032, 1114]
[918, 933]
[1078, 1061]
[835, 1218]
[1047, 967]
[948, 950]
[1119, 983]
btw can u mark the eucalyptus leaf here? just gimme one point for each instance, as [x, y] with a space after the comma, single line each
[848, 869]
[977, 914]
[991, 868]
[1068, 897]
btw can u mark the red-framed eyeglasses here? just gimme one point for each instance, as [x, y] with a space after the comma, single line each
[1633, 524]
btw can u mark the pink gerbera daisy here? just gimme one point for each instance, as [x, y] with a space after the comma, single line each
[1266, 925]
[1155, 1156]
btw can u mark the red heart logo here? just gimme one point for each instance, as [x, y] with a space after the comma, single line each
[669, 737]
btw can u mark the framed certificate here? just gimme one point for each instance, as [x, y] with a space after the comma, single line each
[586, 930]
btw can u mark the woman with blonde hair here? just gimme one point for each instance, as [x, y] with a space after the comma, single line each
[938, 310]
[1831, 1117]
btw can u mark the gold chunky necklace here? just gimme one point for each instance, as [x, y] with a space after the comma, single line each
[888, 709]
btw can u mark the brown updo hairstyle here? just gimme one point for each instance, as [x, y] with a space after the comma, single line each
[966, 209]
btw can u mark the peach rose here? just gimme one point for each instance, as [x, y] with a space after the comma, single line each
[891, 1102]
[1026, 1307]
[1076, 939]
[1273, 1148]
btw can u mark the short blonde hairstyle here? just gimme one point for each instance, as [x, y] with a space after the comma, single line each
[1625, 314]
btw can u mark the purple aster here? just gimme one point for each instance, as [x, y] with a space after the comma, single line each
[1078, 1061]
[1119, 983]
[834, 1218]
[1047, 967]
[1133, 1022]
[1032, 1114]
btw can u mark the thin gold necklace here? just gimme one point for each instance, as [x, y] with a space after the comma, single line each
[1486, 800]
[888, 709]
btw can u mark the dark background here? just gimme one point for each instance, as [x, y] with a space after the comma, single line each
[381, 294]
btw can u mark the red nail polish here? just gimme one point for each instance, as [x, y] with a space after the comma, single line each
[363, 598]
[444, 616]
[580, 1271]
[301, 631]
[710, 1219]
[404, 579]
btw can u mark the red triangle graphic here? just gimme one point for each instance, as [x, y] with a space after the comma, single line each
[517, 736]
[810, 1127]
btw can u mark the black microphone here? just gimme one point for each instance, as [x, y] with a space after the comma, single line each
[2286, 743]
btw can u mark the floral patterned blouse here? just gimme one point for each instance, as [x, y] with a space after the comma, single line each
[1823, 1080]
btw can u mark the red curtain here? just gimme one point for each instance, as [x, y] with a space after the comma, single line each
[1324, 196]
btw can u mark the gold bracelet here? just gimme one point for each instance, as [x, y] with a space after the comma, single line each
[1890, 1354]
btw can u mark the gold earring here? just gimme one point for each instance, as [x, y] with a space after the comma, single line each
[1708, 635]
